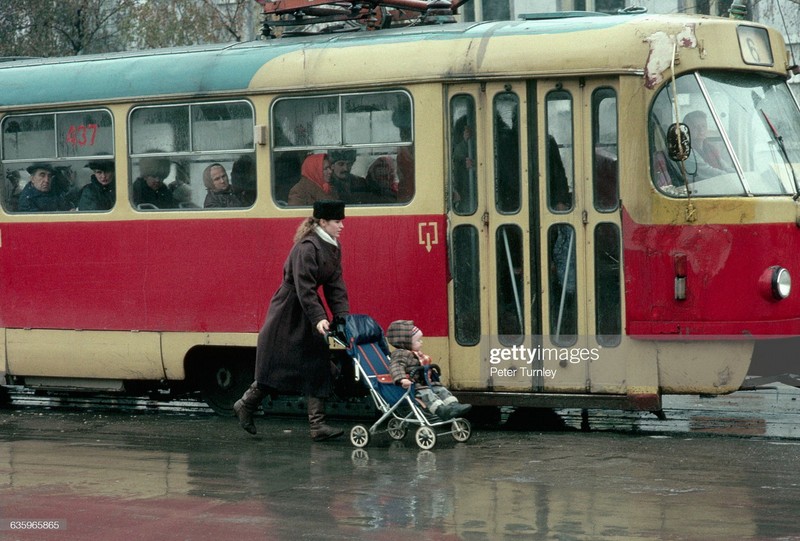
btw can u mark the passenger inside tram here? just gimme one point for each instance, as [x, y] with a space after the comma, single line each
[463, 158]
[243, 179]
[220, 192]
[342, 177]
[12, 188]
[705, 156]
[100, 193]
[315, 182]
[381, 184]
[560, 195]
[43, 193]
[405, 155]
[180, 184]
[148, 190]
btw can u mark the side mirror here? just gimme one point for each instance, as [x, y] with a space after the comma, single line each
[679, 142]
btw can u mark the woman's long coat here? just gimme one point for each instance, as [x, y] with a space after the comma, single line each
[292, 356]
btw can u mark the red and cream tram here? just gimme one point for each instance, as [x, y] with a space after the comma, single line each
[546, 211]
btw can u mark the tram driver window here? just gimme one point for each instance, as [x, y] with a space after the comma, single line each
[731, 148]
[367, 137]
[197, 156]
[48, 160]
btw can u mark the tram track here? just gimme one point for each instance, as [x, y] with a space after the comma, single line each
[20, 397]
[766, 412]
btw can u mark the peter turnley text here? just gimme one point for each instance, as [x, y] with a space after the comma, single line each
[523, 371]
[530, 355]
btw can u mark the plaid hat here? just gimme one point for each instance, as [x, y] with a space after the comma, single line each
[399, 333]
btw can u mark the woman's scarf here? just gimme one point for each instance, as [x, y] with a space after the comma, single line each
[325, 236]
[312, 170]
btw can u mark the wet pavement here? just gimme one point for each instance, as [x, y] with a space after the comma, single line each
[720, 468]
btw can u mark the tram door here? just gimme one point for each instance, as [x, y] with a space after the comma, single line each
[534, 235]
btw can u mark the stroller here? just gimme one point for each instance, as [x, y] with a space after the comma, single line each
[363, 339]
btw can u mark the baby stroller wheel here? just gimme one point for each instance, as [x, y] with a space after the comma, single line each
[397, 429]
[461, 430]
[359, 436]
[426, 437]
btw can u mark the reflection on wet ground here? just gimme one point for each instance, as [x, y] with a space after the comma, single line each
[767, 411]
[716, 469]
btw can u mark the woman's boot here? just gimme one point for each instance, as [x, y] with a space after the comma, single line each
[246, 406]
[316, 419]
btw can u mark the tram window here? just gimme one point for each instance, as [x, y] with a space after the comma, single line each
[307, 122]
[368, 119]
[466, 285]
[763, 137]
[510, 284]
[563, 284]
[730, 122]
[45, 158]
[559, 150]
[463, 177]
[29, 137]
[222, 126]
[608, 306]
[367, 136]
[192, 156]
[605, 165]
[165, 128]
[507, 187]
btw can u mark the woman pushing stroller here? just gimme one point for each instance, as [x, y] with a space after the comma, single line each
[292, 354]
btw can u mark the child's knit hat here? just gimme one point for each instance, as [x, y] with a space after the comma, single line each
[399, 333]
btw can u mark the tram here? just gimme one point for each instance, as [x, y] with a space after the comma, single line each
[580, 212]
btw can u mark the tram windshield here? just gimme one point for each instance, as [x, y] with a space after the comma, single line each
[744, 136]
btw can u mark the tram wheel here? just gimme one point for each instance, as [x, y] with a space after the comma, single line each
[425, 437]
[223, 381]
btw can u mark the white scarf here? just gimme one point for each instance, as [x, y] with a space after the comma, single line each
[325, 236]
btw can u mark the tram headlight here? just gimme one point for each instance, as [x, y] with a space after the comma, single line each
[776, 283]
[781, 282]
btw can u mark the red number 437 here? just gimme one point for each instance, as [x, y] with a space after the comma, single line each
[82, 135]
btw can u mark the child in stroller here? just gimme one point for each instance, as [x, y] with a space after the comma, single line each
[363, 339]
[408, 367]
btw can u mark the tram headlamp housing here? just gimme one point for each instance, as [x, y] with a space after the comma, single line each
[776, 283]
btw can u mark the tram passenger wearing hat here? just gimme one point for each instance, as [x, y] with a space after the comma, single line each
[149, 188]
[39, 194]
[315, 182]
[292, 354]
[101, 192]
[381, 184]
[243, 179]
[220, 192]
[344, 181]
